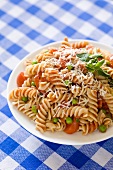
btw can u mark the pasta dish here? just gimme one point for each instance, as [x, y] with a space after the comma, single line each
[69, 88]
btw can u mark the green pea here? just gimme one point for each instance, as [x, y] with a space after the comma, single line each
[46, 51]
[74, 101]
[70, 67]
[33, 83]
[25, 99]
[69, 120]
[67, 82]
[34, 109]
[102, 128]
[104, 111]
[55, 120]
[34, 62]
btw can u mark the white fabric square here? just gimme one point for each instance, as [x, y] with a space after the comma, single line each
[32, 46]
[11, 62]
[108, 39]
[84, 5]
[102, 156]
[50, 8]
[31, 144]
[15, 36]
[102, 15]
[8, 164]
[33, 22]
[50, 32]
[2, 24]
[9, 127]
[86, 29]
[16, 11]
[68, 18]
[54, 161]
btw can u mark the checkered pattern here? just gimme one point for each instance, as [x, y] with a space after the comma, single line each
[25, 25]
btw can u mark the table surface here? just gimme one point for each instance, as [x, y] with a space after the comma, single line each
[25, 25]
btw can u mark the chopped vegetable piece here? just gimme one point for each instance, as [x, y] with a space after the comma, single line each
[25, 99]
[34, 109]
[34, 62]
[67, 82]
[77, 120]
[20, 79]
[46, 51]
[102, 128]
[107, 63]
[70, 67]
[74, 101]
[55, 120]
[33, 83]
[104, 111]
[69, 120]
[72, 128]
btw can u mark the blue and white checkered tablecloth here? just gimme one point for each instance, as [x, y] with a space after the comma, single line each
[26, 25]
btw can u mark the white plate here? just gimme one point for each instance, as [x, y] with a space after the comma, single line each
[57, 137]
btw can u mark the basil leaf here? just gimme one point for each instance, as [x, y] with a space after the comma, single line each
[96, 56]
[103, 73]
[90, 67]
[99, 64]
[83, 57]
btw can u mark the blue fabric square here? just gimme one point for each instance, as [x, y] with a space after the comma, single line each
[1, 37]
[3, 103]
[6, 110]
[1, 13]
[33, 9]
[91, 165]
[66, 151]
[4, 70]
[43, 167]
[67, 166]
[33, 34]
[43, 152]
[20, 135]
[101, 3]
[53, 146]
[3, 136]
[19, 154]
[67, 6]
[31, 163]
[89, 150]
[15, 23]
[2, 156]
[108, 145]
[50, 20]
[16, 1]
[105, 28]
[6, 77]
[68, 31]
[8, 145]
[85, 16]
[78, 159]
[14, 49]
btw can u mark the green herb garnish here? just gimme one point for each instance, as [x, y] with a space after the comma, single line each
[70, 67]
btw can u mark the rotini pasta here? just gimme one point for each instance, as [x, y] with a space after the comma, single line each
[68, 88]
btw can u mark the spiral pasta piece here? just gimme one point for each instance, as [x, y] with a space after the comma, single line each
[81, 44]
[92, 104]
[109, 100]
[88, 127]
[23, 92]
[41, 116]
